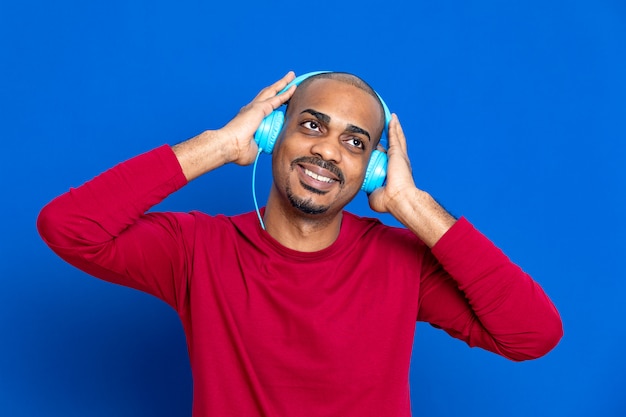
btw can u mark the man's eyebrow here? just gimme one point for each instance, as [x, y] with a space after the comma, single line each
[319, 116]
[356, 129]
[323, 117]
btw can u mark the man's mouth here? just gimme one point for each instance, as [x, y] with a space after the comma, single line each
[317, 177]
[319, 170]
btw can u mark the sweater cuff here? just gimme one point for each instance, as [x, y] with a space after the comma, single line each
[138, 184]
[465, 252]
[171, 171]
[452, 237]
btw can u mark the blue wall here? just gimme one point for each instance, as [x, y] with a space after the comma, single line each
[516, 116]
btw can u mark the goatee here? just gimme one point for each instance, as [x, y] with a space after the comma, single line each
[305, 205]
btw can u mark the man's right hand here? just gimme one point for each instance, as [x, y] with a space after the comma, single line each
[241, 129]
[235, 141]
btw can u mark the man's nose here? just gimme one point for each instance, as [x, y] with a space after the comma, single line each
[328, 148]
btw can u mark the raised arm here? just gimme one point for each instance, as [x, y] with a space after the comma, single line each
[102, 227]
[414, 208]
[470, 288]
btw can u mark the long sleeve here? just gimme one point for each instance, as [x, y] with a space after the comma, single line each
[475, 293]
[101, 227]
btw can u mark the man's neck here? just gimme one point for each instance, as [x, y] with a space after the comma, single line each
[299, 231]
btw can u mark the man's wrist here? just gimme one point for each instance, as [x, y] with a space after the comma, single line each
[423, 215]
[203, 153]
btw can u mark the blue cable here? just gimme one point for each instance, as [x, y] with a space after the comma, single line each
[258, 213]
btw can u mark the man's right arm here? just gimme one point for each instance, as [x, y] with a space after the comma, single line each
[102, 227]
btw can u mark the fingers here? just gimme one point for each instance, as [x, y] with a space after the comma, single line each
[396, 134]
[399, 173]
[398, 150]
[274, 89]
[269, 98]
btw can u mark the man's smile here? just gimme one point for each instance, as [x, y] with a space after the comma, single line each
[317, 175]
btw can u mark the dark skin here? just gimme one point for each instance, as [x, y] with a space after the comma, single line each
[319, 163]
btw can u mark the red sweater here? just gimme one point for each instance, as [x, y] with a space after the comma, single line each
[275, 332]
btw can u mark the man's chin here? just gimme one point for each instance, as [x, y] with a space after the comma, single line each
[307, 206]
[313, 189]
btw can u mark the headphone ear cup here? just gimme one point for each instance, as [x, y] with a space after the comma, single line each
[376, 172]
[268, 131]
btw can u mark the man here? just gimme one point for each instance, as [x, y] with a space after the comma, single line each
[313, 316]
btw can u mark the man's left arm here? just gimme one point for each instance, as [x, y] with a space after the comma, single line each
[480, 296]
[415, 209]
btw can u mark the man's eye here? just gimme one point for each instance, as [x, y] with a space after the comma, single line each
[356, 142]
[311, 124]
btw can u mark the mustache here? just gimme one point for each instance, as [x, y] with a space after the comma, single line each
[322, 164]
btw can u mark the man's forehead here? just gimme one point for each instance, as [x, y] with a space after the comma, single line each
[323, 89]
[331, 85]
[319, 91]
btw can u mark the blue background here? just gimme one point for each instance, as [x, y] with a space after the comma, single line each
[515, 114]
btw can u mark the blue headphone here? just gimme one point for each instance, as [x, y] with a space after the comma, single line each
[270, 128]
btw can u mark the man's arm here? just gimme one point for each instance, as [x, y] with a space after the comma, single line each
[470, 289]
[102, 227]
[415, 209]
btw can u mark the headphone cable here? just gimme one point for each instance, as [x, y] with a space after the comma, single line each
[256, 206]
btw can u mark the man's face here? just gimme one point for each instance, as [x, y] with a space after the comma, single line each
[322, 153]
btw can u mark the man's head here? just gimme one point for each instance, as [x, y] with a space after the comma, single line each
[333, 123]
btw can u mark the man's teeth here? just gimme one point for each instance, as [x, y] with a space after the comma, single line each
[317, 177]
